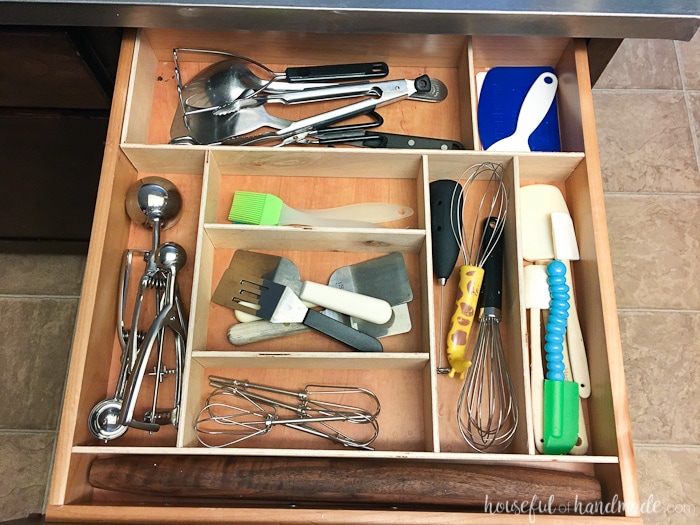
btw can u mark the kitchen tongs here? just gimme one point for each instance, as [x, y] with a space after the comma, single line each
[396, 90]
[279, 304]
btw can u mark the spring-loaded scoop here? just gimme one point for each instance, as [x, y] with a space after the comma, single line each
[170, 258]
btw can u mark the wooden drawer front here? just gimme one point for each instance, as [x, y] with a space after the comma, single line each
[417, 420]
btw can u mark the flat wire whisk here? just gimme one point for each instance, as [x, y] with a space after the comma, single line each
[241, 410]
[491, 201]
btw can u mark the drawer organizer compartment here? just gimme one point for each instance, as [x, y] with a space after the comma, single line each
[415, 420]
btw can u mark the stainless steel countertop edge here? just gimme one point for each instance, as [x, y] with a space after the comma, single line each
[678, 20]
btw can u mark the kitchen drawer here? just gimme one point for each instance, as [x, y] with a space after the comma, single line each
[417, 420]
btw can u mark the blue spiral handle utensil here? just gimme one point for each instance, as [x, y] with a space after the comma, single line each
[555, 330]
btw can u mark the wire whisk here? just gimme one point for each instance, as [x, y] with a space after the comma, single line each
[487, 410]
[491, 201]
[241, 410]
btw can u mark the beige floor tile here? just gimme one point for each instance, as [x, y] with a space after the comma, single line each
[662, 356]
[694, 107]
[41, 274]
[36, 336]
[655, 247]
[647, 64]
[690, 61]
[645, 142]
[25, 463]
[669, 484]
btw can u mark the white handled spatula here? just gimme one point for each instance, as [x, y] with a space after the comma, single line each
[534, 109]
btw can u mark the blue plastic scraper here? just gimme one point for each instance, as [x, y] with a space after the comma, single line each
[517, 109]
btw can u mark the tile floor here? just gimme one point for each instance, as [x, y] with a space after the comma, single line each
[648, 112]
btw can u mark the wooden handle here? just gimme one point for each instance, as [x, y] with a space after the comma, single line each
[577, 348]
[340, 480]
[262, 330]
[537, 379]
[470, 278]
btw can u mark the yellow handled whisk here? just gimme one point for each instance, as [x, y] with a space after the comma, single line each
[486, 181]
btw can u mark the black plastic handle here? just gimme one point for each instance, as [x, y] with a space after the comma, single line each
[396, 140]
[337, 72]
[343, 333]
[492, 285]
[445, 212]
[422, 84]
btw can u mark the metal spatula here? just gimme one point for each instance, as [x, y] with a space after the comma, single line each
[279, 304]
[384, 277]
[283, 271]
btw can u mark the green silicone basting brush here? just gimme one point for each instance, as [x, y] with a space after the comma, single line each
[265, 209]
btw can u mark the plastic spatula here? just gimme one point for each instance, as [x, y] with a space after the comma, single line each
[532, 112]
[581, 446]
[561, 399]
[566, 250]
[536, 300]
[537, 204]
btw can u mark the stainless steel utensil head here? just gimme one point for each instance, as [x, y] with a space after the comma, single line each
[152, 199]
[271, 267]
[278, 303]
[262, 265]
[261, 297]
[438, 92]
[221, 83]
[383, 277]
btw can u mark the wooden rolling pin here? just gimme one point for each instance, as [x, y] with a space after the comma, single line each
[376, 482]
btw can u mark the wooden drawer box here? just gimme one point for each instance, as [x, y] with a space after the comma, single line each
[417, 420]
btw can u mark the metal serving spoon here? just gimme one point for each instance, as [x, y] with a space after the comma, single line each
[230, 79]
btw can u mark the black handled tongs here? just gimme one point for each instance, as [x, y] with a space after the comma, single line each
[395, 90]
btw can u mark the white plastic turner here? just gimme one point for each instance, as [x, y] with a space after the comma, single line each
[538, 203]
[535, 106]
[536, 300]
